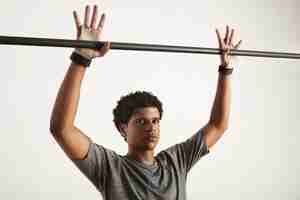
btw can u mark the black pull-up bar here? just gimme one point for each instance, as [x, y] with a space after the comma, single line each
[30, 41]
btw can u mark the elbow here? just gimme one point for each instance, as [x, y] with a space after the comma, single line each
[59, 125]
[221, 126]
[54, 126]
[56, 129]
[220, 123]
[53, 130]
[58, 132]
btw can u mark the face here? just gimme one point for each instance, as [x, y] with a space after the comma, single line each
[143, 129]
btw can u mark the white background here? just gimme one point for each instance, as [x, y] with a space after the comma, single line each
[257, 158]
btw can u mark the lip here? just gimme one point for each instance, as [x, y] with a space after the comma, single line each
[152, 138]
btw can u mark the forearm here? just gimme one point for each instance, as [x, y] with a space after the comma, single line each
[66, 104]
[221, 107]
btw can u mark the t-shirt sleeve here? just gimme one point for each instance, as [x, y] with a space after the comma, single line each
[187, 153]
[94, 165]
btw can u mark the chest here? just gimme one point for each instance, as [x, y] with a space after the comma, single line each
[139, 182]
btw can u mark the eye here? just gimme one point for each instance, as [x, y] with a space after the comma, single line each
[140, 122]
[155, 121]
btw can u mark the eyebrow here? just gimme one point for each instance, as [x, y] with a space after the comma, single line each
[146, 118]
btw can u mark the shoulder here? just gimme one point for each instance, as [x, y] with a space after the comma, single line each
[99, 154]
[167, 156]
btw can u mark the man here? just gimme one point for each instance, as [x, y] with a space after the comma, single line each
[139, 174]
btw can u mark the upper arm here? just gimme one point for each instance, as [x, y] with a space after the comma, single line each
[74, 142]
[212, 134]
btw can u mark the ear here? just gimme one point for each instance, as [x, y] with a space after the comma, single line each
[123, 130]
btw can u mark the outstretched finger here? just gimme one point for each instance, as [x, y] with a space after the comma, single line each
[238, 44]
[94, 17]
[105, 48]
[221, 44]
[87, 16]
[231, 36]
[226, 35]
[77, 20]
[101, 22]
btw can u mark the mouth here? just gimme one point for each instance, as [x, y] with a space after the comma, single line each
[151, 138]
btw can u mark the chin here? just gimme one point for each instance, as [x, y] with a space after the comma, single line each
[151, 146]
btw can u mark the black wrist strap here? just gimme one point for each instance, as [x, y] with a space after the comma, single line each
[225, 70]
[79, 59]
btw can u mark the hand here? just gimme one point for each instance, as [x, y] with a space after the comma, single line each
[90, 30]
[226, 45]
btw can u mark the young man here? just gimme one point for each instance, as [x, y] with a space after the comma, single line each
[139, 174]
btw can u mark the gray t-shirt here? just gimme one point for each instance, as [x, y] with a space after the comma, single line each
[120, 177]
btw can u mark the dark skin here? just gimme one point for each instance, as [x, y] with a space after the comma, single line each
[73, 140]
[226, 45]
[142, 149]
[142, 133]
[143, 130]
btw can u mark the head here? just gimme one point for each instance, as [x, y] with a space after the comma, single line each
[137, 117]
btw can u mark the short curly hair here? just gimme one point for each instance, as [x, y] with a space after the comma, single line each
[128, 104]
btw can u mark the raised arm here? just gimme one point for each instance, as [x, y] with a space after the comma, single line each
[219, 117]
[71, 139]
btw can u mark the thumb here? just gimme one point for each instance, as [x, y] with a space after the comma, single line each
[105, 49]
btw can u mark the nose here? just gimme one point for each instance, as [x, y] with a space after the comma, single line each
[151, 128]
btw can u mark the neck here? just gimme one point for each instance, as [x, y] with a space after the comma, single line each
[147, 157]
